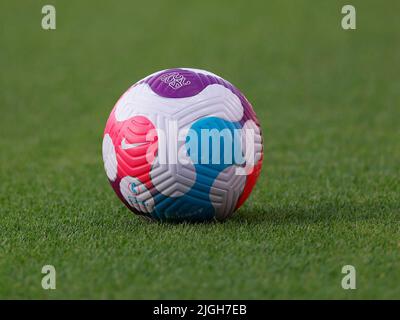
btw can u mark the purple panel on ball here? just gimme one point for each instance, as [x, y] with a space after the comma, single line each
[176, 83]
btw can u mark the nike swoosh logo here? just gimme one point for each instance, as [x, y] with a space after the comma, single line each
[126, 146]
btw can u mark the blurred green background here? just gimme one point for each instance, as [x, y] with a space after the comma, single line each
[329, 105]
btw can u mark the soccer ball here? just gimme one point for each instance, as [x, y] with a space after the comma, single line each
[183, 145]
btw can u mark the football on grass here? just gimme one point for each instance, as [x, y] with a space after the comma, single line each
[183, 145]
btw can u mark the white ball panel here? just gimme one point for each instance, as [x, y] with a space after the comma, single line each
[256, 137]
[214, 101]
[136, 194]
[175, 176]
[226, 191]
[109, 157]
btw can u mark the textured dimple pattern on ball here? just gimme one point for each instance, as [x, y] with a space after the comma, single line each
[175, 101]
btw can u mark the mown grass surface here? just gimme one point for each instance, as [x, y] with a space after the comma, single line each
[329, 195]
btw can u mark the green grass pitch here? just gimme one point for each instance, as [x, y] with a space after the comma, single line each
[329, 193]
